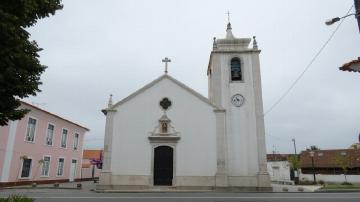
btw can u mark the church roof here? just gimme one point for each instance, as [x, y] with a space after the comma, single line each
[165, 76]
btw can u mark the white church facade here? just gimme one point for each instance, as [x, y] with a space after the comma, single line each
[167, 136]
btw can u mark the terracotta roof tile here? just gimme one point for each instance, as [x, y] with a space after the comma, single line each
[92, 154]
[326, 158]
[349, 66]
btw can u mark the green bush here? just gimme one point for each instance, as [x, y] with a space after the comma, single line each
[346, 183]
[306, 182]
[16, 198]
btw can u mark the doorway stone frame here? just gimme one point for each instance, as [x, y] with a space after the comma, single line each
[157, 141]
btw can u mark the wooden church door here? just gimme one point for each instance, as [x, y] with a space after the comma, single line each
[163, 165]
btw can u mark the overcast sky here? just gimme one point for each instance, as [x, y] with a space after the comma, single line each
[96, 48]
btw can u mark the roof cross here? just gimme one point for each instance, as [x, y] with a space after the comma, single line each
[228, 14]
[166, 60]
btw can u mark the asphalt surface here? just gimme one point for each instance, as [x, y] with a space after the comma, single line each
[42, 195]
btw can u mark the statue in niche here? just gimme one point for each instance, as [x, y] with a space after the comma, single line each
[164, 127]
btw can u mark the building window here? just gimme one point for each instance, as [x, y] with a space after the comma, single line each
[26, 168]
[60, 169]
[49, 135]
[76, 141]
[46, 166]
[64, 138]
[30, 131]
[236, 74]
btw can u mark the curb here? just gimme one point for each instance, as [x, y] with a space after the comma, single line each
[41, 188]
[337, 190]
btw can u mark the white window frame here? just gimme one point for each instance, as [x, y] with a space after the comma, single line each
[63, 168]
[76, 140]
[42, 166]
[62, 133]
[21, 168]
[46, 134]
[26, 130]
[77, 164]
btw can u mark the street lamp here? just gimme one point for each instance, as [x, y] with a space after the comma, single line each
[312, 163]
[357, 15]
[333, 20]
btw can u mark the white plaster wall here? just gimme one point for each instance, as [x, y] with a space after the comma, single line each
[241, 121]
[192, 117]
[331, 178]
[283, 173]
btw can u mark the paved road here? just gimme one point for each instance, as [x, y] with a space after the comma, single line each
[86, 196]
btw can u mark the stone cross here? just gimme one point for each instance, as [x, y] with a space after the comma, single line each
[166, 60]
[228, 14]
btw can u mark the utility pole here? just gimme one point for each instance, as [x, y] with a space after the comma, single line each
[312, 153]
[357, 11]
[294, 145]
[296, 174]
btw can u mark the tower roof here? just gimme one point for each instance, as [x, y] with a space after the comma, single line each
[229, 34]
[230, 42]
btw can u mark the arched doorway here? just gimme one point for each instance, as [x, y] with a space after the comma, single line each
[163, 165]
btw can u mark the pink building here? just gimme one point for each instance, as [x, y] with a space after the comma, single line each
[41, 147]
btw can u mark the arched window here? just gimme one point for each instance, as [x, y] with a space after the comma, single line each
[236, 69]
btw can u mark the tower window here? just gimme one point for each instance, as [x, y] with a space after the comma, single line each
[236, 70]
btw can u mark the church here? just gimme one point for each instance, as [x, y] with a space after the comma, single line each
[166, 136]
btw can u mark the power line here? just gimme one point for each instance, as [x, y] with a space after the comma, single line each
[307, 67]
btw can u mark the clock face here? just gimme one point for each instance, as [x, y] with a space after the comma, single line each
[237, 100]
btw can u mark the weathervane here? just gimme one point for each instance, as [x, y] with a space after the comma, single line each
[166, 60]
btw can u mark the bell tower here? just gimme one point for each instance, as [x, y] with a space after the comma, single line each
[235, 85]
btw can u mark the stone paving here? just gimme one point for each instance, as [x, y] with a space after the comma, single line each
[90, 186]
[294, 188]
[85, 185]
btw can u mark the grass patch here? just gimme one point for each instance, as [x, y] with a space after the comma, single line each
[341, 186]
[16, 198]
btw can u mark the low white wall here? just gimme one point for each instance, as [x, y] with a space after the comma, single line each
[279, 171]
[331, 178]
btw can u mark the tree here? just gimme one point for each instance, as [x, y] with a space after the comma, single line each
[313, 148]
[295, 165]
[20, 68]
[344, 162]
[294, 162]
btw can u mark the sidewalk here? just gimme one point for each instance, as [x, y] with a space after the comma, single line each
[85, 185]
[90, 186]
